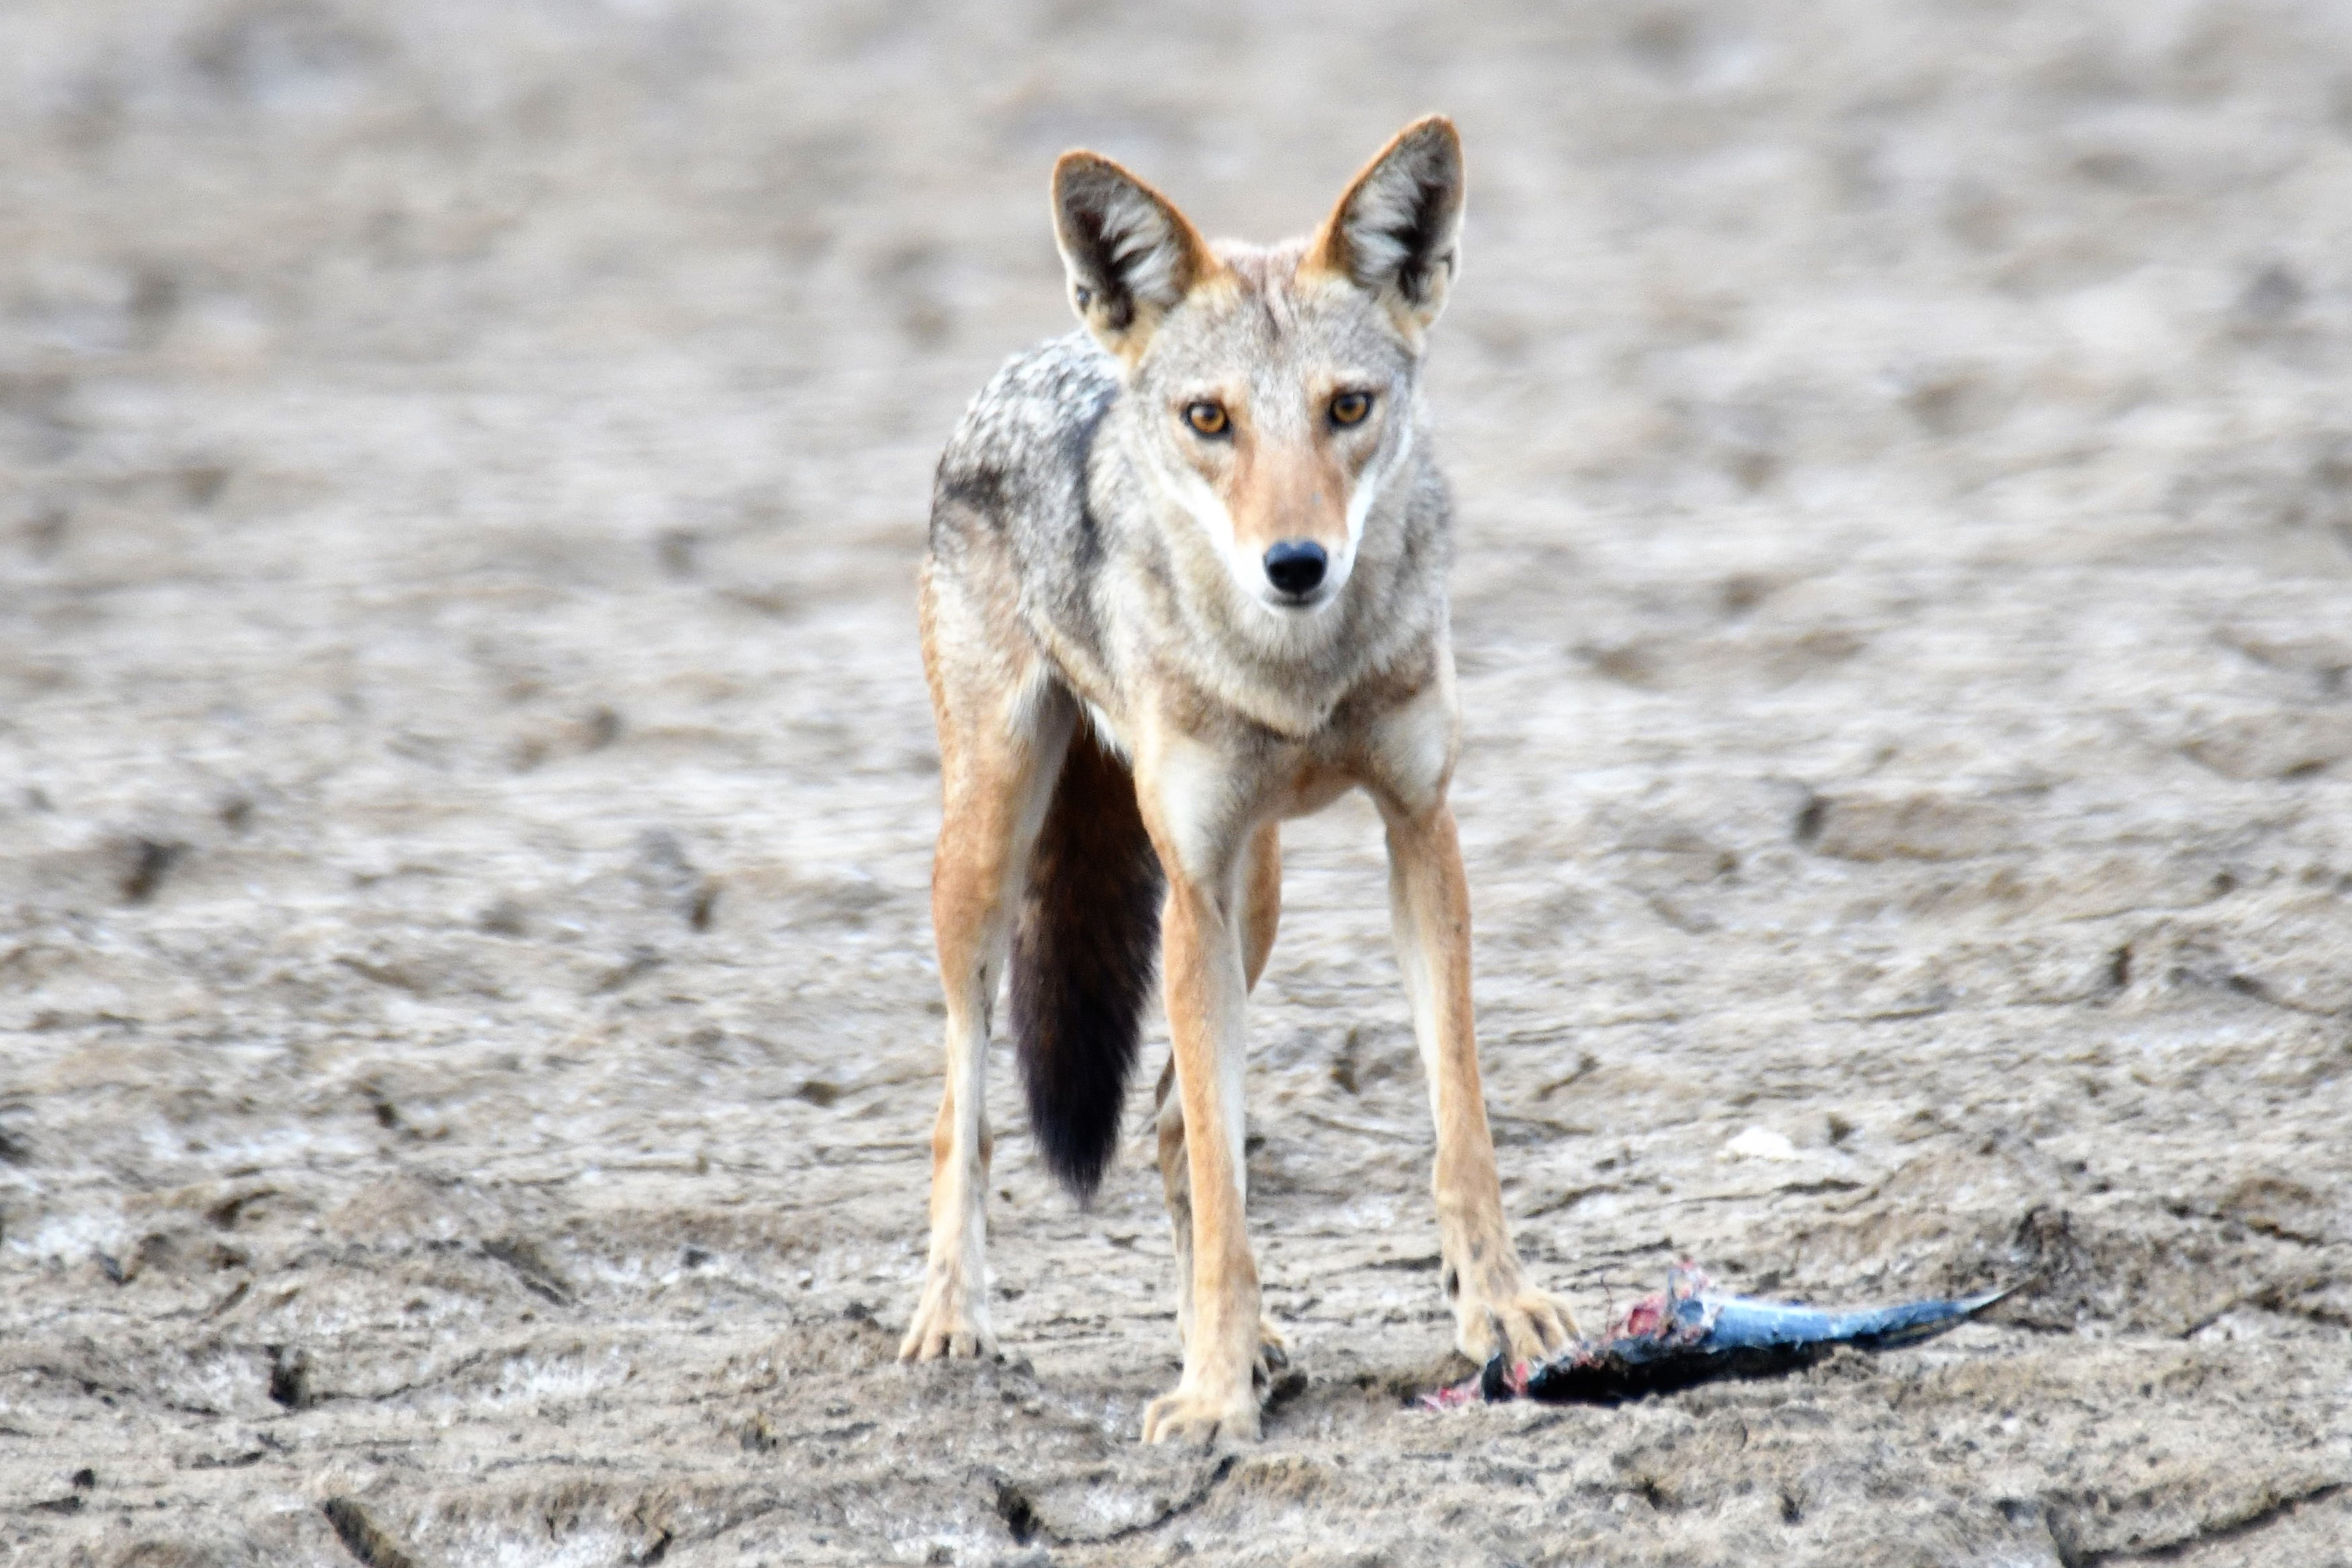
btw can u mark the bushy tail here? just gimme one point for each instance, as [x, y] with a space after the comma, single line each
[1083, 957]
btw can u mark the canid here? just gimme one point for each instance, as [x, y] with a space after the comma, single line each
[1187, 580]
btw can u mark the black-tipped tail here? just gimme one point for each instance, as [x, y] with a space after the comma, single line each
[1083, 957]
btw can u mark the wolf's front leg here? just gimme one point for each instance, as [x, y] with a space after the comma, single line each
[1217, 1396]
[1192, 797]
[1495, 1308]
[1260, 883]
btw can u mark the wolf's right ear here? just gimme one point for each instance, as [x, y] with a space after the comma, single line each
[1130, 255]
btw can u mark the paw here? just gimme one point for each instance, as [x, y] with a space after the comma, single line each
[1202, 1418]
[1527, 1324]
[949, 1323]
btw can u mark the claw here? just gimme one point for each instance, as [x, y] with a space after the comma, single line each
[1200, 1420]
[957, 1344]
[947, 1324]
[1273, 1355]
[1525, 1325]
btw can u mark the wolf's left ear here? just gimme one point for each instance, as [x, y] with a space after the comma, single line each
[1130, 255]
[1397, 231]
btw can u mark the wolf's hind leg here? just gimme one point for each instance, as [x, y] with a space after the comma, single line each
[1000, 752]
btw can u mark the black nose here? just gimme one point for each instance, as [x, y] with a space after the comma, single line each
[1295, 566]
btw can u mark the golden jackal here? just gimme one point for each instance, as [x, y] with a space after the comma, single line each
[1187, 580]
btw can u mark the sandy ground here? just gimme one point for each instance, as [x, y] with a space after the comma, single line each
[467, 1014]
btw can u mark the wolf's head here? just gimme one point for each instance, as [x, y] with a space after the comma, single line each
[1272, 390]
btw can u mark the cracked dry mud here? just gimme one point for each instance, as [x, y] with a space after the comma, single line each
[466, 1020]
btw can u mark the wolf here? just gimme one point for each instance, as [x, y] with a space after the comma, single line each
[1186, 579]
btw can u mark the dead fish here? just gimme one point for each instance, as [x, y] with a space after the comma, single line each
[1691, 1332]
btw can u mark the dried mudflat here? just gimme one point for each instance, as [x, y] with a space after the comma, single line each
[464, 962]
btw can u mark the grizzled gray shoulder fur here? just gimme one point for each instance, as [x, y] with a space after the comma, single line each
[1016, 467]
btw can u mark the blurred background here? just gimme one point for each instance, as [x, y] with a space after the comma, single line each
[466, 788]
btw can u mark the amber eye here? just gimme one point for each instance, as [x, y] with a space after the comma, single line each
[1206, 418]
[1349, 408]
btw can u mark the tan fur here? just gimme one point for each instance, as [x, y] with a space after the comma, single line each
[1233, 718]
[1289, 490]
[1262, 884]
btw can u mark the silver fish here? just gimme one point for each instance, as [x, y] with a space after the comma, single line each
[1691, 1332]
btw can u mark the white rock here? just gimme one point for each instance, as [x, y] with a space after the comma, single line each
[1760, 1144]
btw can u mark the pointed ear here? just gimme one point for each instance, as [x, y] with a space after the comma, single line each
[1398, 230]
[1130, 255]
